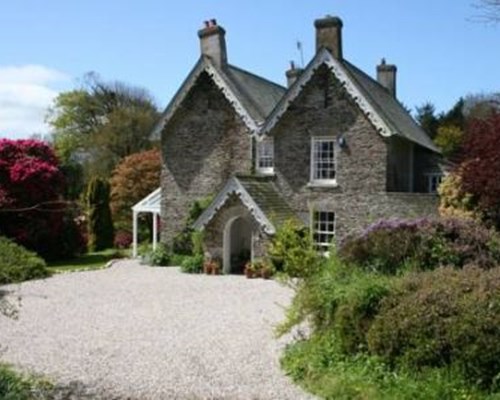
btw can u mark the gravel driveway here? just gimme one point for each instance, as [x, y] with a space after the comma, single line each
[152, 333]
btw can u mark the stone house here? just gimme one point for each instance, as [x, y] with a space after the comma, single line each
[334, 150]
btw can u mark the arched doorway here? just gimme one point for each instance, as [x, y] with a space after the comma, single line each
[237, 245]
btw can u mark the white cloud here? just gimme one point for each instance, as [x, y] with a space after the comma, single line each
[25, 94]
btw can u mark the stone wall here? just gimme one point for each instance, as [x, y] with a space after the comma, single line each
[360, 196]
[203, 144]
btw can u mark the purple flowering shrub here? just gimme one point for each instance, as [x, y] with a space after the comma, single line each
[389, 246]
[122, 240]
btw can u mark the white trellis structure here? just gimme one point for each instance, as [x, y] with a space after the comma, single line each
[149, 204]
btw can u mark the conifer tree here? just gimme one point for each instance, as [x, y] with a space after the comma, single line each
[100, 223]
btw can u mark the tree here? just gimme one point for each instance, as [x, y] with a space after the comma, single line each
[426, 117]
[490, 10]
[449, 139]
[133, 178]
[32, 211]
[99, 215]
[100, 123]
[480, 168]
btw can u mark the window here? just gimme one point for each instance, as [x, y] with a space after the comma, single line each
[323, 160]
[433, 182]
[265, 156]
[323, 229]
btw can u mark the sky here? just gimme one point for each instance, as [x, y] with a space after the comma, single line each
[47, 46]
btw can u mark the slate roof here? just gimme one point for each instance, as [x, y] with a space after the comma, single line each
[252, 97]
[384, 111]
[390, 108]
[259, 195]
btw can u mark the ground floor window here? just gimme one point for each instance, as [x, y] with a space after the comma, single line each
[433, 182]
[323, 229]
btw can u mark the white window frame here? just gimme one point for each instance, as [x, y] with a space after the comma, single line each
[316, 229]
[313, 164]
[263, 157]
[433, 179]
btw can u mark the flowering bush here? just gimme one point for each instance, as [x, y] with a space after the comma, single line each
[123, 239]
[390, 245]
[32, 211]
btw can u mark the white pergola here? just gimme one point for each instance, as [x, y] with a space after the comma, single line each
[149, 204]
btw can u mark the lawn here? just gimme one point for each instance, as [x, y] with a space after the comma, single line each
[86, 262]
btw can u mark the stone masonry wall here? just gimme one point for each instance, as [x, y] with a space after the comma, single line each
[360, 197]
[203, 144]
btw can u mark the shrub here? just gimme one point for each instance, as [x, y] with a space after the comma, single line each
[192, 264]
[292, 251]
[123, 240]
[390, 245]
[442, 318]
[18, 264]
[161, 256]
[99, 218]
[13, 385]
[338, 299]
[183, 242]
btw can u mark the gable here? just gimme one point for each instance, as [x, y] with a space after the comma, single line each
[250, 96]
[383, 111]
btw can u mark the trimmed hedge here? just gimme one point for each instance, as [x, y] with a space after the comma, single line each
[18, 264]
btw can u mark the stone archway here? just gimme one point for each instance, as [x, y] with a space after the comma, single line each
[237, 244]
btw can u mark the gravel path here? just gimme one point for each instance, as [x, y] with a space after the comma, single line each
[152, 333]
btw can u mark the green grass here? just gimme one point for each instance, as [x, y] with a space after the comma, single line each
[86, 262]
[318, 367]
[17, 386]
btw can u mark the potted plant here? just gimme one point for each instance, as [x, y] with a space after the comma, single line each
[215, 267]
[267, 271]
[207, 267]
[249, 270]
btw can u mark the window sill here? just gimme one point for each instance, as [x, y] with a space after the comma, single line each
[265, 171]
[322, 184]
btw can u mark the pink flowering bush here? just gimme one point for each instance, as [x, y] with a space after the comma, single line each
[32, 210]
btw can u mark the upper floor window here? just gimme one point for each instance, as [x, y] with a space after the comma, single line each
[433, 182]
[323, 160]
[323, 229]
[265, 156]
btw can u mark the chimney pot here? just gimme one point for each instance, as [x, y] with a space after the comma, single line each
[386, 76]
[213, 42]
[329, 35]
[292, 74]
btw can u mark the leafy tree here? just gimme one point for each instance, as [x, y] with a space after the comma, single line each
[99, 215]
[455, 117]
[32, 212]
[453, 202]
[480, 169]
[100, 123]
[449, 139]
[426, 117]
[133, 178]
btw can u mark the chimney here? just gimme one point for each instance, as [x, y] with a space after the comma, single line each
[292, 74]
[213, 42]
[386, 76]
[329, 35]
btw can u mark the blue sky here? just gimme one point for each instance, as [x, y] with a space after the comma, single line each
[48, 45]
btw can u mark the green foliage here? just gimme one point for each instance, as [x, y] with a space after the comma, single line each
[183, 242]
[105, 121]
[449, 139]
[161, 256]
[318, 366]
[14, 386]
[426, 117]
[192, 264]
[390, 246]
[340, 299]
[18, 264]
[100, 229]
[292, 251]
[442, 318]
